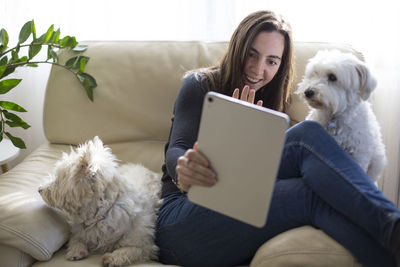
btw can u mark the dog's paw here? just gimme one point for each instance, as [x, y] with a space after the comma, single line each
[127, 255]
[75, 254]
[109, 260]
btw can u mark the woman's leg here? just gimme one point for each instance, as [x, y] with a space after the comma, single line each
[311, 153]
[190, 235]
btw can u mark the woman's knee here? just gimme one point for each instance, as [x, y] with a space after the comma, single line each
[305, 129]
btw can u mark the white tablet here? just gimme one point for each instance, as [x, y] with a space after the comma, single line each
[243, 143]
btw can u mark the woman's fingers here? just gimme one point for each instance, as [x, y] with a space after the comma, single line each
[193, 169]
[236, 93]
[252, 96]
[196, 156]
[247, 95]
[196, 165]
[195, 174]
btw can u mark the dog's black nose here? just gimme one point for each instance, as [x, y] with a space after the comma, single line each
[309, 93]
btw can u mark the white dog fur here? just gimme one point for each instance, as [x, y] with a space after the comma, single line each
[336, 86]
[111, 209]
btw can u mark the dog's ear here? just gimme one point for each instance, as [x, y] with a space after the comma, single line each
[367, 81]
[97, 142]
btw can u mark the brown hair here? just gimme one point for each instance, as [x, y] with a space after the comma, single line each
[227, 75]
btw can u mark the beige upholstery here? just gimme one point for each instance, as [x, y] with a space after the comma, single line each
[290, 249]
[137, 85]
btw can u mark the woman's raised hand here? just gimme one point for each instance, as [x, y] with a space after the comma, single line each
[193, 168]
[248, 95]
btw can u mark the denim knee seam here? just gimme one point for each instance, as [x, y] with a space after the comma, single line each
[307, 147]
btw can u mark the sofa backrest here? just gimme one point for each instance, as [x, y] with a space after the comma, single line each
[137, 85]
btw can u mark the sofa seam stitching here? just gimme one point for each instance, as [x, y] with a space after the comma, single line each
[27, 238]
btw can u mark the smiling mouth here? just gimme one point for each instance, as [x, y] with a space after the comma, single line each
[252, 80]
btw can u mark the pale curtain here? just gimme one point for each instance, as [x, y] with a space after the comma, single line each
[372, 27]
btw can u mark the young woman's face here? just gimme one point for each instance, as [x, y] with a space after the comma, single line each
[264, 59]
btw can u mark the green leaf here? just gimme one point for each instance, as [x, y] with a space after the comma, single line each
[3, 40]
[34, 50]
[3, 61]
[33, 29]
[7, 85]
[25, 32]
[3, 65]
[18, 142]
[49, 33]
[84, 75]
[72, 62]
[88, 82]
[75, 62]
[24, 58]
[15, 119]
[82, 64]
[18, 124]
[40, 39]
[2, 69]
[33, 65]
[14, 56]
[11, 106]
[68, 42]
[55, 37]
[52, 54]
[1, 133]
[89, 90]
[8, 71]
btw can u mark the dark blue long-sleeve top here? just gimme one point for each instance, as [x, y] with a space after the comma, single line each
[184, 129]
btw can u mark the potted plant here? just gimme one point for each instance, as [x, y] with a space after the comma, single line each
[11, 58]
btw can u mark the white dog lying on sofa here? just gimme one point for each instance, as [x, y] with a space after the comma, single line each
[109, 208]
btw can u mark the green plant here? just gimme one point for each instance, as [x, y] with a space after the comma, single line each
[10, 59]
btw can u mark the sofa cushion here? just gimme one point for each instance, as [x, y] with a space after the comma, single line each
[59, 260]
[26, 223]
[12, 257]
[137, 86]
[303, 246]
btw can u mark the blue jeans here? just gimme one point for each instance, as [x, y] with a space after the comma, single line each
[318, 184]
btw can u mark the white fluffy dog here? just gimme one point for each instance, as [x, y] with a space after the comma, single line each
[336, 86]
[110, 209]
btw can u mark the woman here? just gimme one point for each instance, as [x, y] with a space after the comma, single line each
[314, 170]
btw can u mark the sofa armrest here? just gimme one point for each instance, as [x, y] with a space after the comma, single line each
[303, 246]
[26, 223]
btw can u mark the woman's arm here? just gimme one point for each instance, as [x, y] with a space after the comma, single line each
[185, 164]
[185, 126]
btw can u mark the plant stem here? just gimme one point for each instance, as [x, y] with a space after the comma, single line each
[26, 45]
[2, 122]
[20, 64]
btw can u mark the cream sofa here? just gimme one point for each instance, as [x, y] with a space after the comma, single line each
[131, 112]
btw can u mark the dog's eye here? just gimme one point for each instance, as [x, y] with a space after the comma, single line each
[332, 77]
